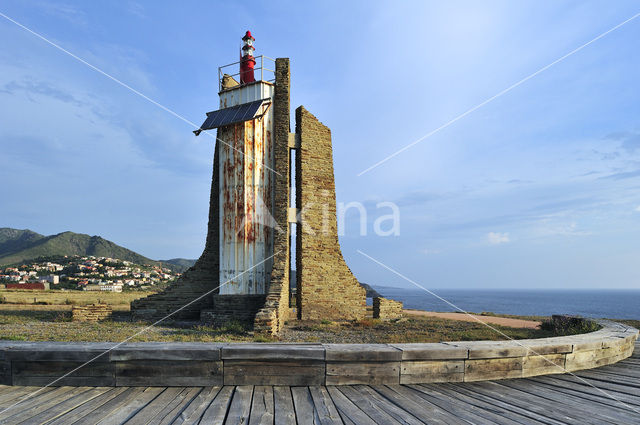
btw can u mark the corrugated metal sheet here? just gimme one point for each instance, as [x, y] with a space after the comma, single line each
[246, 237]
[246, 93]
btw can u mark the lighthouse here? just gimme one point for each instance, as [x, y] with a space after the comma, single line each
[245, 161]
[243, 273]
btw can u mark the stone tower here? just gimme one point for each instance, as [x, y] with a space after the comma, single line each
[243, 273]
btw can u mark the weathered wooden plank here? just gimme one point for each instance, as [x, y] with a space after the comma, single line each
[49, 372]
[526, 403]
[431, 351]
[168, 351]
[303, 372]
[172, 411]
[59, 352]
[491, 349]
[528, 398]
[65, 405]
[590, 394]
[593, 358]
[262, 406]
[127, 408]
[31, 396]
[362, 353]
[5, 372]
[597, 374]
[277, 352]
[20, 393]
[371, 373]
[420, 408]
[602, 385]
[217, 409]
[573, 402]
[368, 406]
[483, 369]
[459, 405]
[416, 372]
[303, 404]
[326, 410]
[98, 413]
[392, 409]
[144, 415]
[543, 364]
[499, 404]
[283, 406]
[240, 407]
[36, 405]
[349, 412]
[168, 373]
[194, 411]
[80, 412]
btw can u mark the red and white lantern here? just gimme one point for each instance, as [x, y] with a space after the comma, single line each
[247, 63]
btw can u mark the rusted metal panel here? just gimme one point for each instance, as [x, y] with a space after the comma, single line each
[246, 201]
[246, 93]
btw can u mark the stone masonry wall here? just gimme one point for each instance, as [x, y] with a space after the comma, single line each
[90, 313]
[385, 309]
[275, 312]
[201, 278]
[233, 308]
[326, 288]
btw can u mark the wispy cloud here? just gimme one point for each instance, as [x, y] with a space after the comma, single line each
[623, 175]
[431, 251]
[637, 208]
[549, 228]
[496, 238]
[64, 11]
[629, 141]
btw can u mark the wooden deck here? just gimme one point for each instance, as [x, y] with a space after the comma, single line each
[557, 399]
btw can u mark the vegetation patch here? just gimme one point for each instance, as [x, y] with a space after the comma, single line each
[569, 325]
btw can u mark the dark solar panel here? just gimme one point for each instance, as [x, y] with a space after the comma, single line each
[231, 115]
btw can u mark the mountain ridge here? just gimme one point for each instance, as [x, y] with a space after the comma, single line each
[18, 246]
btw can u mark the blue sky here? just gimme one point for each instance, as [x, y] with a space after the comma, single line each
[539, 188]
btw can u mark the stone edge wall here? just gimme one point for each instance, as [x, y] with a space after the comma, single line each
[202, 364]
[385, 309]
[270, 319]
[90, 313]
[325, 287]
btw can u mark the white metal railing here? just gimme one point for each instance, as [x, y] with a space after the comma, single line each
[260, 62]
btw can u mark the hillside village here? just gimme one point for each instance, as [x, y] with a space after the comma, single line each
[86, 273]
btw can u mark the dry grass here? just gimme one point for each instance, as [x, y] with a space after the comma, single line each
[24, 320]
[61, 298]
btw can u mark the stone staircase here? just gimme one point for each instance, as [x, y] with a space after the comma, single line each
[177, 297]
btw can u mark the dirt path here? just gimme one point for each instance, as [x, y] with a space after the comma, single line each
[502, 321]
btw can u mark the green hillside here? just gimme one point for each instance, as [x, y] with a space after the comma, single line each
[13, 240]
[179, 264]
[23, 245]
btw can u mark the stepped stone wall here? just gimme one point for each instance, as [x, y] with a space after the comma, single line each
[232, 308]
[270, 319]
[91, 312]
[179, 298]
[325, 287]
[385, 309]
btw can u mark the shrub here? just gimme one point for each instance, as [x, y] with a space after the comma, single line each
[234, 327]
[569, 325]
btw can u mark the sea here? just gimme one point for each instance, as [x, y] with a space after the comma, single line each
[612, 304]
